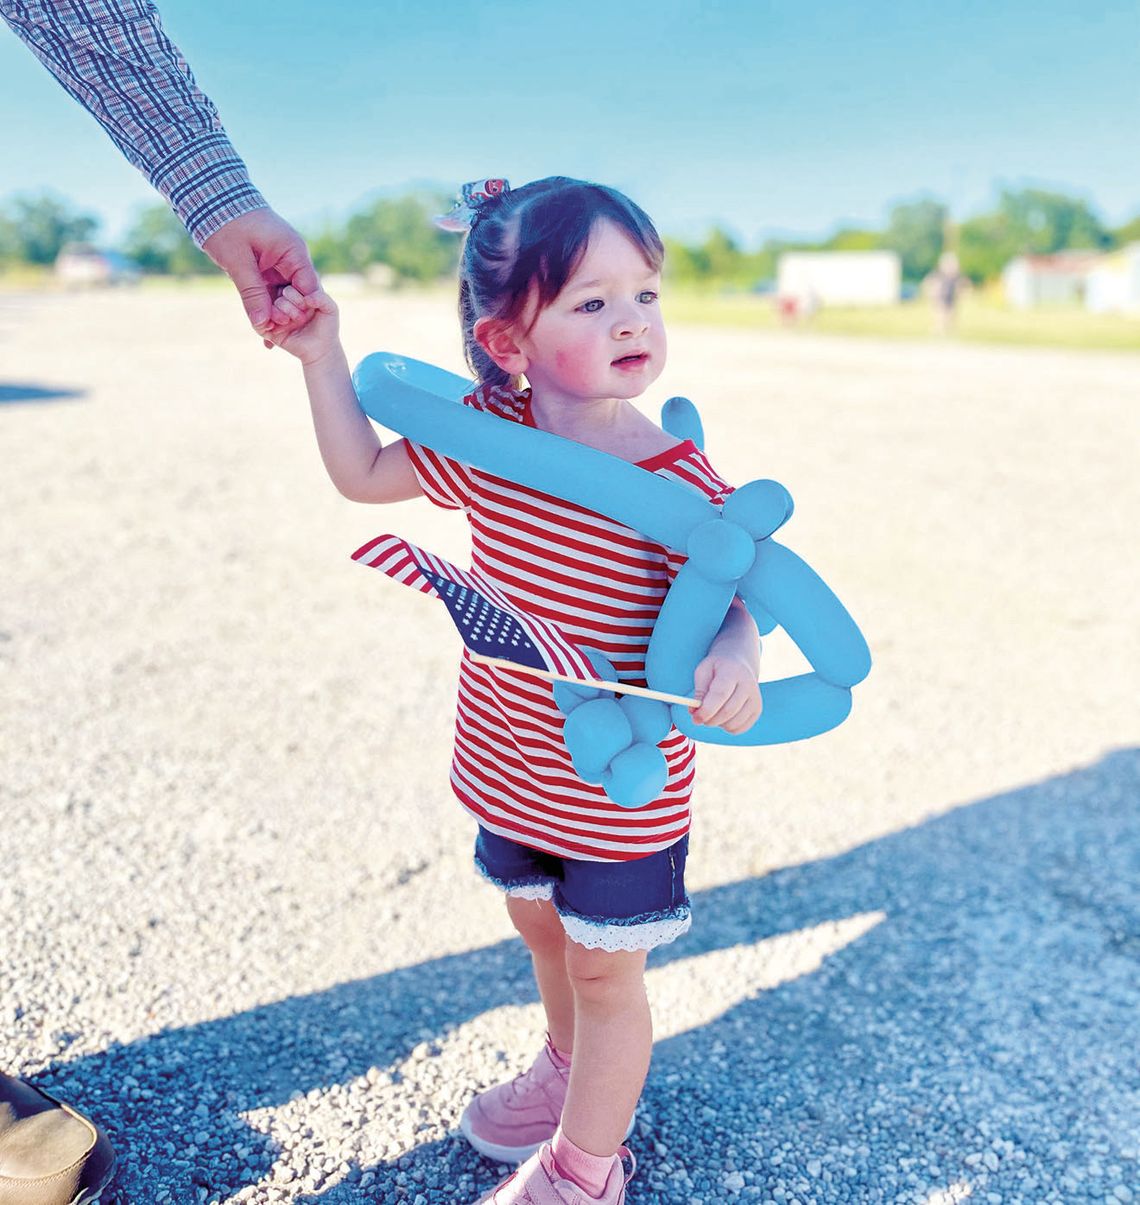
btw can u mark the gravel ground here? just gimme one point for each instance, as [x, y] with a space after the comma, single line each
[241, 927]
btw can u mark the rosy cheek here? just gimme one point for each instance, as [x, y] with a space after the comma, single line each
[571, 362]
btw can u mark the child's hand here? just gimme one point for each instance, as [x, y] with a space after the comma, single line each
[729, 694]
[313, 324]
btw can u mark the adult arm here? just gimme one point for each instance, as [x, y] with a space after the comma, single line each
[114, 57]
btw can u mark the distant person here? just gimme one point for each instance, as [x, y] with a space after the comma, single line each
[115, 59]
[944, 286]
[788, 307]
[801, 306]
[559, 281]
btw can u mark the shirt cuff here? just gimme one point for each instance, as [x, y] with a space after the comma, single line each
[207, 185]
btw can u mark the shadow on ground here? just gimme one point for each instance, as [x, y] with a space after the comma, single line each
[997, 999]
[24, 391]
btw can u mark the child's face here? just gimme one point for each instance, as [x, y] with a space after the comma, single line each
[602, 336]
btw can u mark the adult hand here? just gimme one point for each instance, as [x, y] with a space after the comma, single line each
[261, 253]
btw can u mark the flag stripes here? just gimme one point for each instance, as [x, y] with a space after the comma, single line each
[410, 566]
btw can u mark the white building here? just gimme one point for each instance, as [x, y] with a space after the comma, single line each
[1113, 284]
[814, 278]
[1057, 279]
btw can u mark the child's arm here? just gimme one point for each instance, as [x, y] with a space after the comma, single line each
[359, 466]
[725, 681]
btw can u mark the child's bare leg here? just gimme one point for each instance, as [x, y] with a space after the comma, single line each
[538, 923]
[613, 1039]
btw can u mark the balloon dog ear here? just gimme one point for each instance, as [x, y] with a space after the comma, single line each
[680, 419]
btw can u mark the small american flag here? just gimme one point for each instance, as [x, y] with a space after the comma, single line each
[489, 625]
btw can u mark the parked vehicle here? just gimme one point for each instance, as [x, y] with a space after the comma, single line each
[82, 265]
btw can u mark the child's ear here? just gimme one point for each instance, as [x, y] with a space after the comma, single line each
[497, 339]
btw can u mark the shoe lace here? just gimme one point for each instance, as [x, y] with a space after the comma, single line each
[522, 1081]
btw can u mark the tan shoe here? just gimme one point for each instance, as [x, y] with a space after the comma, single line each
[49, 1153]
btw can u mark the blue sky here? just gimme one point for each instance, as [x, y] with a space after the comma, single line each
[769, 116]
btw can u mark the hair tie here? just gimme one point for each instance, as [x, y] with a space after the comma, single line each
[471, 203]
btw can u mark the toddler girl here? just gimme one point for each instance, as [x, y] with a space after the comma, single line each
[559, 285]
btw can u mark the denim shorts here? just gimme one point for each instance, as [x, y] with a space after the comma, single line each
[602, 905]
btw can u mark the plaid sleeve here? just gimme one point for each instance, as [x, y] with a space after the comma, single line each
[115, 59]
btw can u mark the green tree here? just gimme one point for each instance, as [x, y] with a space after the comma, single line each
[158, 243]
[719, 260]
[1028, 222]
[684, 264]
[33, 229]
[985, 245]
[329, 250]
[915, 230]
[853, 238]
[1042, 222]
[1128, 233]
[722, 254]
[760, 266]
[399, 232]
[9, 245]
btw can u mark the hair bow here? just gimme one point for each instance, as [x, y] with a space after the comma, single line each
[471, 202]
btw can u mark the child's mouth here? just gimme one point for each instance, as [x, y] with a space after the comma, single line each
[631, 361]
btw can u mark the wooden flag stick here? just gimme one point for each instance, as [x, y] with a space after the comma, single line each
[641, 691]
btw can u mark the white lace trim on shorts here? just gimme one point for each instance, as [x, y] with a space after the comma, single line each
[614, 937]
[531, 891]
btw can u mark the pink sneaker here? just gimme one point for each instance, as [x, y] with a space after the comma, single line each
[508, 1123]
[537, 1182]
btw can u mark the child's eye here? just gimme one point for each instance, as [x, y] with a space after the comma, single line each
[592, 307]
[648, 297]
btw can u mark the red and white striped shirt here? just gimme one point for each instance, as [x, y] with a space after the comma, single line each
[603, 584]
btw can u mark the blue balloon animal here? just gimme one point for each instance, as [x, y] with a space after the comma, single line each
[613, 740]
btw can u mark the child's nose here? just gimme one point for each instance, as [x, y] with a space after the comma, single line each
[631, 322]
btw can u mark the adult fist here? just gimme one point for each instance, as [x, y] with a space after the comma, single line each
[261, 253]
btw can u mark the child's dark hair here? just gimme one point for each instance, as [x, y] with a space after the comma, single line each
[535, 237]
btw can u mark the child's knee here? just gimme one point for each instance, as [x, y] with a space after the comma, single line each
[605, 975]
[537, 923]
